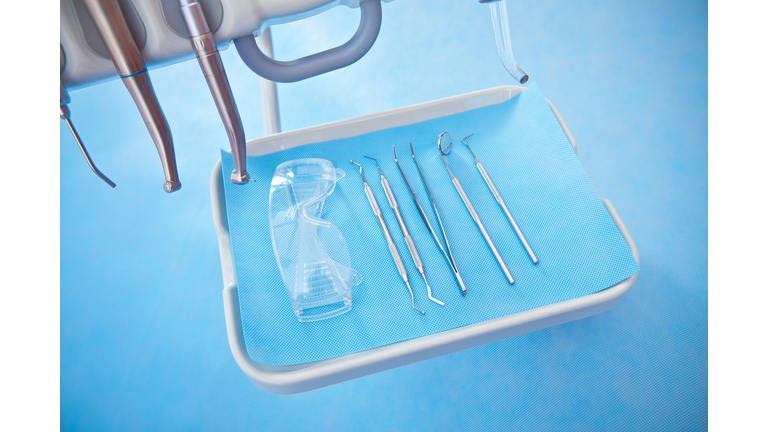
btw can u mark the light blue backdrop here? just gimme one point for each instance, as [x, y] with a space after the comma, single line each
[143, 341]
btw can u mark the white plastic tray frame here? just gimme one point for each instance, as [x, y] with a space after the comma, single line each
[309, 376]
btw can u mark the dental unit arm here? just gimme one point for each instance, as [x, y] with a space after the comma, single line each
[105, 39]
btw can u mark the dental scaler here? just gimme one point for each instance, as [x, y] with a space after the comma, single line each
[208, 56]
[66, 114]
[390, 243]
[404, 229]
[113, 30]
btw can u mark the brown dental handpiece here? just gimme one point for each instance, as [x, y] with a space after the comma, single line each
[113, 30]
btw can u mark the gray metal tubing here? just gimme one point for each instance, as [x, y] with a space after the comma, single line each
[315, 64]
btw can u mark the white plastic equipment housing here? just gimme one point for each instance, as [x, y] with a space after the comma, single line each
[310, 376]
[163, 46]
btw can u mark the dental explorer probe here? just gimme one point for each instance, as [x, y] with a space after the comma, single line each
[468, 203]
[500, 200]
[406, 235]
[208, 56]
[429, 225]
[390, 243]
[64, 113]
[113, 30]
[439, 220]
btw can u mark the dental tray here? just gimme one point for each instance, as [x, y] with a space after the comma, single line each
[264, 325]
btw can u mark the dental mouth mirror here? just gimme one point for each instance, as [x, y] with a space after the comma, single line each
[444, 143]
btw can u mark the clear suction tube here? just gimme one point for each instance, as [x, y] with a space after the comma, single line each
[503, 41]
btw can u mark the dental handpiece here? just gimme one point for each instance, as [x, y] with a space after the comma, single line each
[424, 217]
[404, 229]
[475, 217]
[501, 203]
[208, 56]
[113, 30]
[390, 243]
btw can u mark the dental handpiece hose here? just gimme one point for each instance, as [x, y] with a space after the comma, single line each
[113, 30]
[208, 56]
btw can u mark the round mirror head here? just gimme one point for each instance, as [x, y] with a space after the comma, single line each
[444, 143]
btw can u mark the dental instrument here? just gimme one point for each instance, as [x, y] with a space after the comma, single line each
[404, 229]
[503, 40]
[500, 200]
[390, 243]
[424, 217]
[444, 150]
[126, 57]
[204, 45]
[65, 114]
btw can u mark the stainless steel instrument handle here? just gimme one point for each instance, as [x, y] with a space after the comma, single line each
[407, 235]
[490, 184]
[479, 223]
[511, 220]
[390, 243]
[390, 195]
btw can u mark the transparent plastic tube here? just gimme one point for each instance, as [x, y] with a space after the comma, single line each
[503, 41]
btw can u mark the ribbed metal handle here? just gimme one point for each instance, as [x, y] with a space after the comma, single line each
[406, 235]
[390, 243]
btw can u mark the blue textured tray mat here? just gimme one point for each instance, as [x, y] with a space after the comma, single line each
[530, 160]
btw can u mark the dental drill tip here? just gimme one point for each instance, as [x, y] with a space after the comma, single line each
[413, 301]
[394, 152]
[429, 291]
[369, 157]
[240, 178]
[467, 136]
[171, 186]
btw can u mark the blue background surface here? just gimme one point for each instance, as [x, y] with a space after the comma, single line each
[143, 340]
